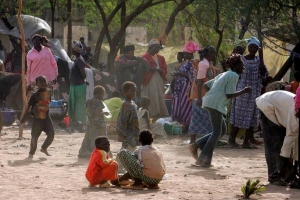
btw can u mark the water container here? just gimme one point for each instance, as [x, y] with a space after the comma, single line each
[61, 102]
[177, 130]
[8, 116]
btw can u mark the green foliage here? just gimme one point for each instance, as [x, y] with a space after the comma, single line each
[252, 187]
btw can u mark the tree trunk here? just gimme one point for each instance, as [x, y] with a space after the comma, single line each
[217, 28]
[102, 33]
[245, 23]
[23, 68]
[111, 58]
[183, 4]
[69, 37]
[123, 16]
[114, 42]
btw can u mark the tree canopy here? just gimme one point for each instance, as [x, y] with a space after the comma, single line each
[213, 22]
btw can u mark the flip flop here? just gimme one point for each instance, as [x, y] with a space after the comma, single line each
[131, 187]
[126, 182]
[193, 152]
[249, 146]
[106, 185]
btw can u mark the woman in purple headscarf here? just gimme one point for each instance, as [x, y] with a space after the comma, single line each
[182, 107]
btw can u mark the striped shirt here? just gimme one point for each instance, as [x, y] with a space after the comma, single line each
[223, 84]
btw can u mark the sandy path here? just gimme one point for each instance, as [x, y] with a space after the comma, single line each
[61, 176]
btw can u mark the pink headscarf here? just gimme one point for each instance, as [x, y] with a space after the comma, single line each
[191, 47]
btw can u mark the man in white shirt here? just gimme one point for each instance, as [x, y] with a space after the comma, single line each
[278, 107]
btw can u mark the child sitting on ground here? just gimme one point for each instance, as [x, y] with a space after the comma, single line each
[101, 167]
[96, 125]
[128, 123]
[145, 165]
[144, 119]
[39, 105]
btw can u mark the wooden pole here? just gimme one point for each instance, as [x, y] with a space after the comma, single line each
[23, 67]
[69, 36]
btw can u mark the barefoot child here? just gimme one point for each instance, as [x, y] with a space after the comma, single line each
[39, 106]
[128, 123]
[220, 91]
[96, 125]
[145, 165]
[144, 120]
[101, 167]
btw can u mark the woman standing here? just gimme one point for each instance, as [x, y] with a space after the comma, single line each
[40, 61]
[200, 123]
[220, 90]
[182, 108]
[77, 93]
[153, 80]
[244, 112]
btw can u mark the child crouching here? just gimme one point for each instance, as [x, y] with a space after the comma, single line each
[101, 167]
[145, 165]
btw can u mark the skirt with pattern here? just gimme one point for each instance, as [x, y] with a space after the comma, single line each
[200, 123]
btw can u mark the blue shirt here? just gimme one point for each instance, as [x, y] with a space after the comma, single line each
[223, 84]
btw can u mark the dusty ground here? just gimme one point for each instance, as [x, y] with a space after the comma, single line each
[61, 176]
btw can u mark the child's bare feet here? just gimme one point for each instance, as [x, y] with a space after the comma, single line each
[45, 152]
[30, 156]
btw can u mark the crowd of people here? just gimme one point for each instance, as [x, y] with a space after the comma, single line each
[202, 96]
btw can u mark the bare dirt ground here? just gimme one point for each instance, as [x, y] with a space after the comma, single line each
[62, 175]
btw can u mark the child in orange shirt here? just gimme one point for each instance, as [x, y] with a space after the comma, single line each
[102, 168]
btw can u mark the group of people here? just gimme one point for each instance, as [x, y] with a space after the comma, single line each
[41, 77]
[140, 165]
[148, 72]
[201, 95]
[205, 94]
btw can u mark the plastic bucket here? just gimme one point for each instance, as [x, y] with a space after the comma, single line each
[8, 117]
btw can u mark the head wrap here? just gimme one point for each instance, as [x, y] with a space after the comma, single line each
[253, 40]
[76, 46]
[191, 47]
[240, 43]
[277, 85]
[153, 42]
[129, 48]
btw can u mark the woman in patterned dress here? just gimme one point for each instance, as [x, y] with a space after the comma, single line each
[200, 123]
[182, 108]
[244, 112]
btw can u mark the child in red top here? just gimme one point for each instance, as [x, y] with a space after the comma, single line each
[102, 168]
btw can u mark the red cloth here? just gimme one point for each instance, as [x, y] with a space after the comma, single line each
[294, 86]
[101, 168]
[162, 65]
